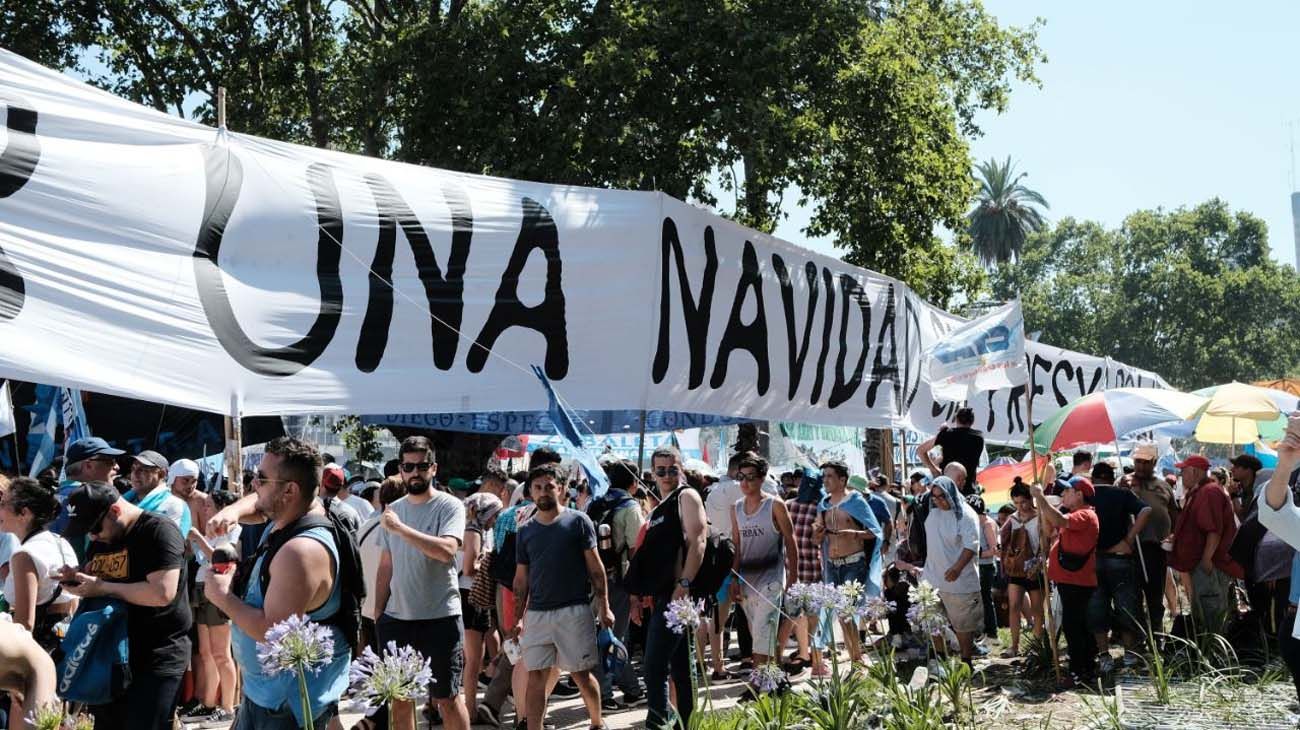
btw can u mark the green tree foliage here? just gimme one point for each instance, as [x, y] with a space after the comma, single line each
[1005, 213]
[1191, 294]
[864, 105]
[362, 441]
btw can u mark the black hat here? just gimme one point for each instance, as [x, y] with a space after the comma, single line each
[87, 504]
[1248, 461]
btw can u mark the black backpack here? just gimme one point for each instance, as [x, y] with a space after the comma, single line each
[719, 556]
[352, 590]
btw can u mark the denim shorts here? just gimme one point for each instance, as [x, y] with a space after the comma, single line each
[840, 574]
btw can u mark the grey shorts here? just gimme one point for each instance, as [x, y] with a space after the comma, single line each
[965, 611]
[561, 637]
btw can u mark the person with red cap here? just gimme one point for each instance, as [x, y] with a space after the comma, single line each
[1202, 535]
[333, 483]
[1072, 566]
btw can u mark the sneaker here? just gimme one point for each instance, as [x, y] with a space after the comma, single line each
[565, 688]
[220, 718]
[485, 715]
[1105, 663]
[634, 700]
[981, 650]
[196, 713]
[610, 704]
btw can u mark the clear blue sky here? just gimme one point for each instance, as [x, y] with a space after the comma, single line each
[1146, 104]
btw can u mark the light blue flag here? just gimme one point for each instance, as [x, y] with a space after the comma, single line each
[565, 428]
[45, 419]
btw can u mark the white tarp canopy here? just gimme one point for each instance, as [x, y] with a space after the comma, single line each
[149, 256]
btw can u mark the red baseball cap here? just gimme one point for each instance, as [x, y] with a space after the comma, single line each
[1084, 485]
[1196, 460]
[333, 477]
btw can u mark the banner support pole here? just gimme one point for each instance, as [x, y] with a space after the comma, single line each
[234, 448]
[640, 446]
[1047, 589]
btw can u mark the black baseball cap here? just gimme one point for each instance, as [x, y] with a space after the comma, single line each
[87, 504]
[83, 449]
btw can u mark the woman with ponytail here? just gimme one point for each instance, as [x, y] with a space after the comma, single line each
[33, 594]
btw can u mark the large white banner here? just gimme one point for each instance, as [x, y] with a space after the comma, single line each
[148, 256]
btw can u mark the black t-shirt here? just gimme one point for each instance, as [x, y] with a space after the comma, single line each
[159, 637]
[1115, 506]
[962, 445]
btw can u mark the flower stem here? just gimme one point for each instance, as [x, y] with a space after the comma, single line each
[308, 722]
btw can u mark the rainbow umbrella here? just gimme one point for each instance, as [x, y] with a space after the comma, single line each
[1106, 416]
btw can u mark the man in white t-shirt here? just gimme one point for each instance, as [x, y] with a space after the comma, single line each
[354, 499]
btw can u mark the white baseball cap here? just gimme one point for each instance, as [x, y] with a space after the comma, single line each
[182, 468]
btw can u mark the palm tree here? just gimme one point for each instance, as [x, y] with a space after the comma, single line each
[1005, 212]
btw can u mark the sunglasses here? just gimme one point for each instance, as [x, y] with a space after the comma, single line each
[663, 471]
[751, 477]
[410, 466]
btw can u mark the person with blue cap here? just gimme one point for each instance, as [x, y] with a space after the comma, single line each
[90, 459]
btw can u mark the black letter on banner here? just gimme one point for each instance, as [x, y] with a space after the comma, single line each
[751, 337]
[1015, 420]
[695, 314]
[445, 295]
[828, 322]
[538, 231]
[842, 390]
[1062, 366]
[225, 176]
[798, 354]
[911, 328]
[17, 163]
[880, 369]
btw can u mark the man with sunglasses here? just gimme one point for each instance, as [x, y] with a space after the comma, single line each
[299, 556]
[1159, 497]
[417, 591]
[89, 460]
[139, 558]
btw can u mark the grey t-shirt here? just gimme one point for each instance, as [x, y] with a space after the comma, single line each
[423, 588]
[557, 571]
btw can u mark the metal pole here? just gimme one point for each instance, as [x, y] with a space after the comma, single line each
[640, 448]
[221, 107]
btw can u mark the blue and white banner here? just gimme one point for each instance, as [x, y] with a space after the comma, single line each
[987, 353]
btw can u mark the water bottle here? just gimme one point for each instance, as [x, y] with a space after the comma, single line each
[604, 540]
[223, 559]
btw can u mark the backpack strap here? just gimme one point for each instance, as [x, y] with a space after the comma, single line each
[279, 538]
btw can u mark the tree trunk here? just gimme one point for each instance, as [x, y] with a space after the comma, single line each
[307, 39]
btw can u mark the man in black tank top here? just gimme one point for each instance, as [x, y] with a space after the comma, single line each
[666, 652]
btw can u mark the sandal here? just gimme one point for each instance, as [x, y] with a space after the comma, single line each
[364, 723]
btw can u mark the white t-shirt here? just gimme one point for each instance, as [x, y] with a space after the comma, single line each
[1031, 526]
[364, 509]
[48, 552]
[946, 536]
[722, 500]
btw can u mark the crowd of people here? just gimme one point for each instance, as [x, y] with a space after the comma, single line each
[521, 587]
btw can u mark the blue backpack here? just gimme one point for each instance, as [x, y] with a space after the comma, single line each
[95, 667]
